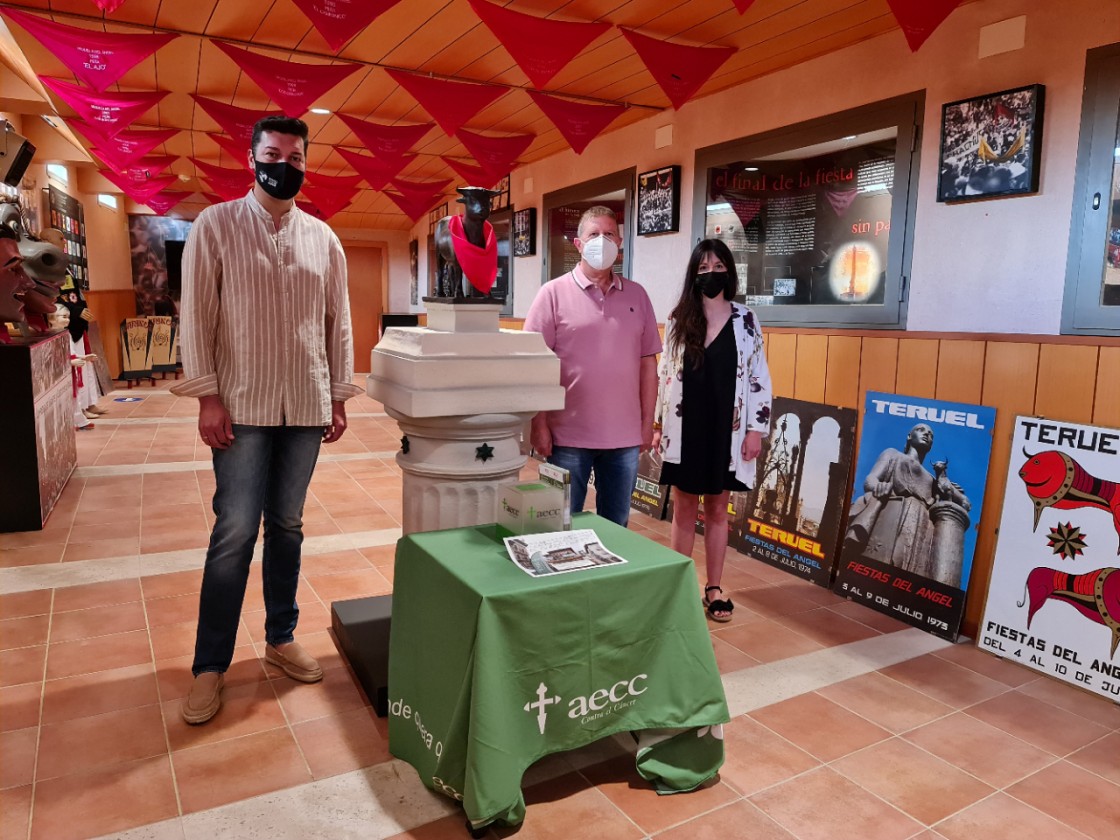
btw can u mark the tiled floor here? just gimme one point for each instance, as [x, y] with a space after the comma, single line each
[96, 631]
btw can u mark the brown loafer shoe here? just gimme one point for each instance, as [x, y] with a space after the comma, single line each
[294, 661]
[205, 698]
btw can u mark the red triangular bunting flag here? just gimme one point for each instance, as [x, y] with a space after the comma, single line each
[419, 189]
[329, 199]
[310, 209]
[291, 85]
[472, 176]
[745, 208]
[416, 206]
[139, 191]
[336, 182]
[743, 5]
[108, 112]
[161, 202]
[126, 147]
[212, 198]
[108, 6]
[236, 149]
[236, 122]
[841, 200]
[227, 192]
[579, 122]
[377, 173]
[386, 141]
[340, 20]
[97, 58]
[451, 104]
[918, 18]
[495, 154]
[678, 69]
[542, 47]
[145, 168]
[240, 178]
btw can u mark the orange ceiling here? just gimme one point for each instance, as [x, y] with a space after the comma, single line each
[445, 38]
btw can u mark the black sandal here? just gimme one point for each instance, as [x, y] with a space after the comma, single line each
[722, 606]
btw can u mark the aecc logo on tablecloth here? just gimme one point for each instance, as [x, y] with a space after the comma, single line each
[591, 706]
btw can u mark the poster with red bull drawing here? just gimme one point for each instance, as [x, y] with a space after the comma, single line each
[908, 545]
[1054, 597]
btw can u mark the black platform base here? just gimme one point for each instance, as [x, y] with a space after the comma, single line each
[362, 629]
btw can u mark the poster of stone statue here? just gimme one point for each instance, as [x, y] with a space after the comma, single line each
[911, 533]
[1054, 596]
[792, 518]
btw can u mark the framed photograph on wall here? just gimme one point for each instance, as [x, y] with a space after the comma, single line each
[414, 271]
[659, 201]
[525, 232]
[434, 215]
[991, 145]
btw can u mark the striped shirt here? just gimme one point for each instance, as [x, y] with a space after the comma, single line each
[264, 317]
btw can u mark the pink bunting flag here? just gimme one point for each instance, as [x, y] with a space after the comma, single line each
[227, 192]
[145, 168]
[578, 122]
[340, 20]
[472, 176]
[108, 6]
[419, 189]
[918, 18]
[139, 191]
[451, 104]
[495, 154]
[743, 5]
[841, 200]
[377, 173]
[240, 178]
[236, 122]
[236, 149]
[329, 199]
[291, 85]
[97, 58]
[386, 141]
[541, 47]
[680, 70]
[161, 202]
[109, 112]
[319, 179]
[120, 151]
[414, 206]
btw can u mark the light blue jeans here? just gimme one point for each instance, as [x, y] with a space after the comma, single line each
[616, 470]
[265, 472]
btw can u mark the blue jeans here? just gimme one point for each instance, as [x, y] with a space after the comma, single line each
[265, 471]
[616, 470]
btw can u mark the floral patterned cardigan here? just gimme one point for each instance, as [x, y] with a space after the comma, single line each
[753, 392]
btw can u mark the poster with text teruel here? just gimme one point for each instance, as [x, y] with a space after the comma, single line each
[911, 534]
[1054, 597]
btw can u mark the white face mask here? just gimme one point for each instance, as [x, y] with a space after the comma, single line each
[600, 252]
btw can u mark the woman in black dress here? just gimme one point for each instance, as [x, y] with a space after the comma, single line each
[713, 407]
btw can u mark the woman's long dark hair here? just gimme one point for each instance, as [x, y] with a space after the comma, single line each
[690, 324]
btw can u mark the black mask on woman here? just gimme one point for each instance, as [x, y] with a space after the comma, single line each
[280, 180]
[713, 283]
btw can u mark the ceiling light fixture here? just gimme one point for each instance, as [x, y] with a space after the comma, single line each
[320, 111]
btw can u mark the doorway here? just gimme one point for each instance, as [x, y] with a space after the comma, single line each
[365, 266]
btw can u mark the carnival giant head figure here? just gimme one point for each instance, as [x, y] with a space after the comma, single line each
[14, 284]
[44, 262]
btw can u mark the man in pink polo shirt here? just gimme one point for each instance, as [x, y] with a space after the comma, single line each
[603, 329]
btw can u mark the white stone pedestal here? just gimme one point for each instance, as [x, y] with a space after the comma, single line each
[461, 390]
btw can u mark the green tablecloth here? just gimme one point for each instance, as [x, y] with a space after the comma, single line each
[491, 669]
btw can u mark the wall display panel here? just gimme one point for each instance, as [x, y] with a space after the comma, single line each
[68, 216]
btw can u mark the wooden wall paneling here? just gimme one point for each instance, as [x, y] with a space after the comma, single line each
[1067, 382]
[781, 356]
[1106, 406]
[878, 365]
[917, 367]
[960, 371]
[1010, 372]
[110, 308]
[812, 363]
[841, 384]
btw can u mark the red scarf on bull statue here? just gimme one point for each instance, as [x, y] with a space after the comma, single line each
[480, 265]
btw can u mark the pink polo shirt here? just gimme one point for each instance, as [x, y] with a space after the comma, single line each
[600, 340]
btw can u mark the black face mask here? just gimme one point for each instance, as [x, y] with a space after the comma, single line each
[280, 180]
[713, 283]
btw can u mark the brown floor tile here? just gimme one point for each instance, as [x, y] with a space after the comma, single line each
[888, 703]
[340, 743]
[24, 632]
[173, 583]
[448, 828]
[756, 758]
[767, 641]
[921, 785]
[1002, 816]
[174, 678]
[97, 621]
[739, 819]
[101, 549]
[100, 692]
[77, 806]
[19, 604]
[32, 555]
[173, 610]
[942, 680]
[22, 665]
[96, 595]
[729, 658]
[618, 781]
[214, 774]
[1074, 796]
[100, 531]
[826, 627]
[15, 811]
[246, 709]
[334, 562]
[565, 807]
[336, 693]
[858, 612]
[1007, 671]
[346, 585]
[1101, 757]
[1076, 700]
[380, 555]
[819, 726]
[823, 805]
[19, 706]
[171, 641]
[88, 743]
[352, 524]
[1048, 727]
[102, 653]
[18, 746]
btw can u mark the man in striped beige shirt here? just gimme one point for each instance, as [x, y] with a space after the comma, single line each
[265, 331]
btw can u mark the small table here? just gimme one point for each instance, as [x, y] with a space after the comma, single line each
[491, 669]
